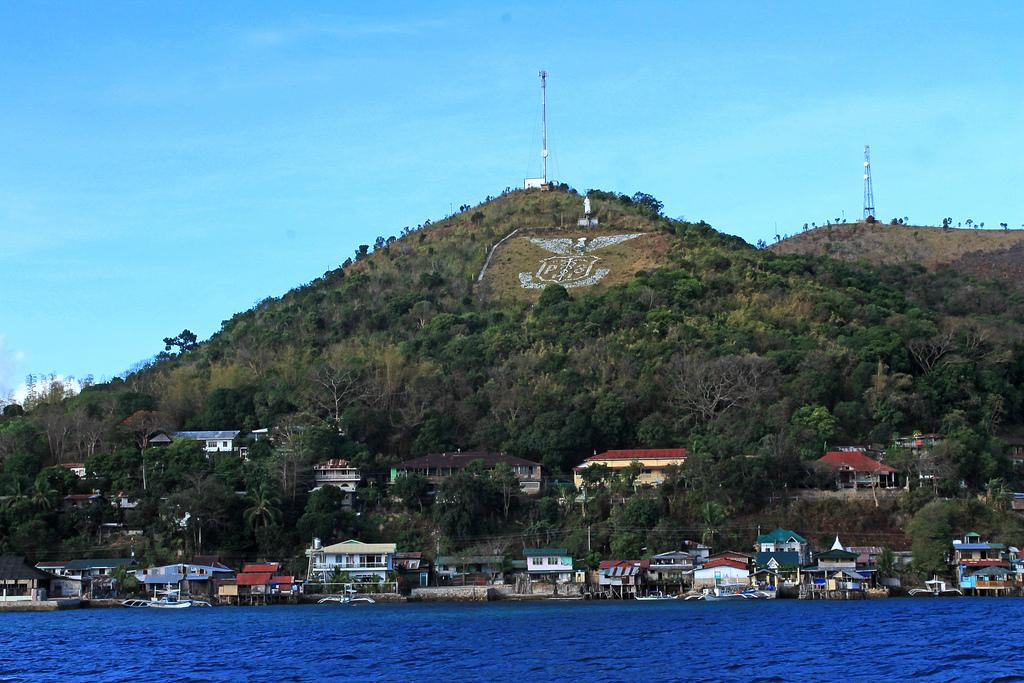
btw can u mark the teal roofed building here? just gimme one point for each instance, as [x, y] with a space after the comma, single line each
[784, 546]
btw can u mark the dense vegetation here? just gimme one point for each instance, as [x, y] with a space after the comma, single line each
[754, 361]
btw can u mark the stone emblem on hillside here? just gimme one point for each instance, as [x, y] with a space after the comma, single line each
[573, 265]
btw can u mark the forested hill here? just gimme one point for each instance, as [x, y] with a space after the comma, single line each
[661, 333]
[712, 344]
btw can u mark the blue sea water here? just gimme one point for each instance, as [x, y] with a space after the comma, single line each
[969, 639]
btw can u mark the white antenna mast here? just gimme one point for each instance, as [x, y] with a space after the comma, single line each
[544, 120]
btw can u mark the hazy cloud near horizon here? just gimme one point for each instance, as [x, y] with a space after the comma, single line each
[9, 362]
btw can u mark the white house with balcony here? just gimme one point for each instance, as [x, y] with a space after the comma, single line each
[214, 442]
[550, 564]
[357, 562]
[339, 474]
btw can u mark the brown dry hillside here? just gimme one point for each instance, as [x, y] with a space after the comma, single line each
[984, 253]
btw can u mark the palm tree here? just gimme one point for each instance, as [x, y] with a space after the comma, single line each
[43, 495]
[263, 510]
[886, 564]
[712, 517]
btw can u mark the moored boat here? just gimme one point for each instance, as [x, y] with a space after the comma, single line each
[656, 596]
[935, 588]
[170, 599]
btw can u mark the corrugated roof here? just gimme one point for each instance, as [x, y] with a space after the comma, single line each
[990, 571]
[222, 434]
[462, 460]
[854, 460]
[354, 546]
[541, 552]
[163, 578]
[781, 535]
[724, 563]
[978, 546]
[788, 558]
[253, 579]
[104, 563]
[265, 567]
[14, 568]
[337, 464]
[641, 454]
[622, 568]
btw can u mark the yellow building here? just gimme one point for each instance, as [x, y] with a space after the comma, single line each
[653, 462]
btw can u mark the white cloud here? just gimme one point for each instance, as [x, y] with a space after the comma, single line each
[339, 28]
[42, 386]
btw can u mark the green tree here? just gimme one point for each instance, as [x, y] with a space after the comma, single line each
[411, 489]
[930, 531]
[466, 504]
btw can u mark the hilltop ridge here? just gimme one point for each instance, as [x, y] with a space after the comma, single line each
[986, 254]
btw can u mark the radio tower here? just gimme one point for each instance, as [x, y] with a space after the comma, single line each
[869, 194]
[544, 120]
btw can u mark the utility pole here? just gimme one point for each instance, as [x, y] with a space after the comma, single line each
[544, 120]
[869, 194]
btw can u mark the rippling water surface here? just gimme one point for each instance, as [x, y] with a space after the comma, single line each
[780, 640]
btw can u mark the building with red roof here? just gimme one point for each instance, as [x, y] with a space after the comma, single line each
[257, 581]
[722, 571]
[652, 462]
[854, 470]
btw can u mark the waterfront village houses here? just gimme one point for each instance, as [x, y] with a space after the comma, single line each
[854, 470]
[20, 581]
[721, 570]
[339, 474]
[466, 570]
[215, 442]
[62, 585]
[437, 467]
[357, 562]
[652, 461]
[549, 564]
[190, 579]
[981, 567]
[619, 578]
[257, 580]
[783, 552]
[836, 570]
[672, 568]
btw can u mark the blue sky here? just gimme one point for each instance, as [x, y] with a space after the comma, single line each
[167, 165]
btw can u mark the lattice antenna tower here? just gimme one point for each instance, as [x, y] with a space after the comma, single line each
[544, 120]
[869, 193]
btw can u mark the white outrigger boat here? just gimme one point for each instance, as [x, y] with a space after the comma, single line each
[170, 599]
[347, 597]
[656, 596]
[936, 588]
[729, 591]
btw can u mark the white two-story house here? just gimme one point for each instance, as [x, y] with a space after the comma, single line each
[214, 442]
[549, 564]
[339, 474]
[357, 562]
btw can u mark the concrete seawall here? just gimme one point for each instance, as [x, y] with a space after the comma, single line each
[39, 605]
[454, 594]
